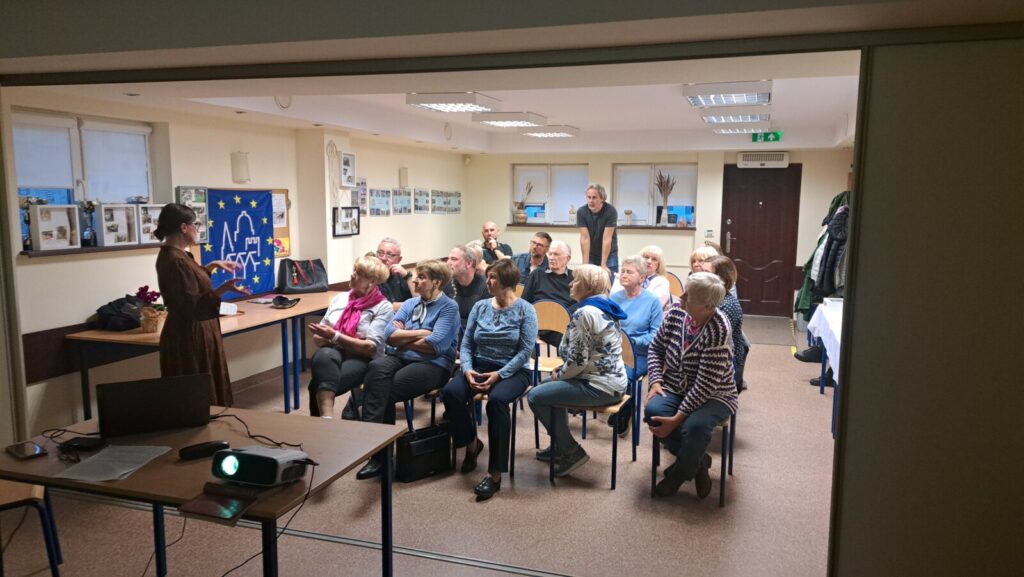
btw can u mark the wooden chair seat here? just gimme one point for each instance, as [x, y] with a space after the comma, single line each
[608, 410]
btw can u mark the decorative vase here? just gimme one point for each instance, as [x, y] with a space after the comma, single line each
[519, 217]
[152, 320]
[629, 218]
[572, 214]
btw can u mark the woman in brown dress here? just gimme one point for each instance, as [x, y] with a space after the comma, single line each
[191, 341]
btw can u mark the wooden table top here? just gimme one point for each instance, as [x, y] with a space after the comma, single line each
[250, 315]
[337, 445]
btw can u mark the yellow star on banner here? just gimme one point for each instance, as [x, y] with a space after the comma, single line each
[252, 203]
[270, 240]
[238, 199]
[209, 223]
[264, 219]
[266, 261]
[256, 279]
[220, 203]
[208, 247]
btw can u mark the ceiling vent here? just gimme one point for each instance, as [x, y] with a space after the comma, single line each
[762, 160]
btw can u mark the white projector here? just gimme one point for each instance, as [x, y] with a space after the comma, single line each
[259, 465]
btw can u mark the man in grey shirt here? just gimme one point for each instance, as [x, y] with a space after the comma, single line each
[597, 220]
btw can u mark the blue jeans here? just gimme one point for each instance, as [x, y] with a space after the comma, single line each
[572, 392]
[690, 440]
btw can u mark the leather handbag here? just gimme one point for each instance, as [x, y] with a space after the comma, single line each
[301, 276]
[423, 453]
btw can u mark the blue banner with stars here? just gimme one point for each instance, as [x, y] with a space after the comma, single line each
[241, 229]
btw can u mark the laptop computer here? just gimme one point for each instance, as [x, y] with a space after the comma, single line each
[152, 405]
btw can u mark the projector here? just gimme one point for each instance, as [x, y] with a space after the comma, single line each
[259, 465]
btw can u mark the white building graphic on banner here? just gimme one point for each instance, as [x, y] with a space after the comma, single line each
[245, 250]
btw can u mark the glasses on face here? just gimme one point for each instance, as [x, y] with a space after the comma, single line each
[540, 244]
[384, 253]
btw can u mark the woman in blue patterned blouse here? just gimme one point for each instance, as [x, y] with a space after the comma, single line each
[495, 353]
[691, 374]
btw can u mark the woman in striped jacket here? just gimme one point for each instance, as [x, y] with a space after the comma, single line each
[690, 368]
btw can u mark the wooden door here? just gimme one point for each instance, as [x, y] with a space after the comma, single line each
[760, 213]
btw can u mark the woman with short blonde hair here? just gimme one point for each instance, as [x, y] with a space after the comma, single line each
[654, 272]
[699, 255]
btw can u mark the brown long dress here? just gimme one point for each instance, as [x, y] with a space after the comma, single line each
[191, 341]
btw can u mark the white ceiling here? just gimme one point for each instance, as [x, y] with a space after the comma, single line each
[637, 107]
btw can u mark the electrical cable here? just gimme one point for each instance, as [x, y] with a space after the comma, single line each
[24, 515]
[262, 438]
[184, 521]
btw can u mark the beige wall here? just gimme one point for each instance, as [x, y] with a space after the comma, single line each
[489, 178]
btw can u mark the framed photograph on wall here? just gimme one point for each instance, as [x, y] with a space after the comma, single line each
[421, 201]
[401, 201]
[149, 216]
[346, 221]
[54, 226]
[348, 170]
[194, 197]
[118, 224]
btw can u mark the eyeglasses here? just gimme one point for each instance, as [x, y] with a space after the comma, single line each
[383, 253]
[535, 243]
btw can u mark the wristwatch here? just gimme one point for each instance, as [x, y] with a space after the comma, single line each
[408, 275]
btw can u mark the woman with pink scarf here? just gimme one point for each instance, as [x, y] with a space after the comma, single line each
[350, 335]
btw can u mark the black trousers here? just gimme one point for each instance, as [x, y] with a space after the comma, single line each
[458, 398]
[331, 371]
[391, 379]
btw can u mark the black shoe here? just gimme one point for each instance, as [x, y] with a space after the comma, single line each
[566, 464]
[809, 355]
[625, 416]
[816, 381]
[670, 484]
[472, 451]
[371, 469]
[703, 480]
[544, 455]
[487, 488]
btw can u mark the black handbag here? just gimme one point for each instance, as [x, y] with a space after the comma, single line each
[123, 314]
[301, 276]
[422, 453]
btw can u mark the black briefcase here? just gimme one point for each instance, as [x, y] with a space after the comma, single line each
[423, 453]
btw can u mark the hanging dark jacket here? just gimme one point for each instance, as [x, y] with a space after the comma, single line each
[825, 284]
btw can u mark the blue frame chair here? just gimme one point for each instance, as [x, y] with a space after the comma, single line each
[13, 495]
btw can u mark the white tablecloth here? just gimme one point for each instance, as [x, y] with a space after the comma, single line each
[827, 325]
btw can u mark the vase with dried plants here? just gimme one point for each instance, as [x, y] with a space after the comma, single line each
[665, 183]
[519, 217]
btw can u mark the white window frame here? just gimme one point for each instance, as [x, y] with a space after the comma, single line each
[653, 196]
[544, 191]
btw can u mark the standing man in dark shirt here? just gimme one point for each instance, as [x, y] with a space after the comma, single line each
[537, 258]
[597, 221]
[552, 284]
[467, 286]
[494, 250]
[398, 287]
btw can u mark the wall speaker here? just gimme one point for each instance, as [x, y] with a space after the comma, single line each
[240, 167]
[403, 177]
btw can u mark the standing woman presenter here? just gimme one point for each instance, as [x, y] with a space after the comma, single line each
[191, 342]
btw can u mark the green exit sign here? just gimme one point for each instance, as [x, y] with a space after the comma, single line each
[774, 136]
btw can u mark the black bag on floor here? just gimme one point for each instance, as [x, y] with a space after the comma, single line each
[423, 453]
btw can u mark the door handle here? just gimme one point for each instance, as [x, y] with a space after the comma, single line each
[728, 241]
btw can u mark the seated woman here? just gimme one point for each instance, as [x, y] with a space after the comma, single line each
[495, 353]
[421, 354]
[726, 270]
[653, 273]
[699, 255]
[592, 375]
[350, 335]
[691, 382]
[643, 318]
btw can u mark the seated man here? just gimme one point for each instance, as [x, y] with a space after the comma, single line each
[467, 286]
[536, 258]
[552, 284]
[398, 287]
[494, 250]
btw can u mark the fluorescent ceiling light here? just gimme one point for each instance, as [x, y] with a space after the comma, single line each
[729, 93]
[551, 131]
[453, 101]
[510, 119]
[752, 128]
[736, 114]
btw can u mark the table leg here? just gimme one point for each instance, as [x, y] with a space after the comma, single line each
[83, 377]
[824, 368]
[159, 541]
[269, 533]
[284, 365]
[296, 359]
[302, 342]
[386, 553]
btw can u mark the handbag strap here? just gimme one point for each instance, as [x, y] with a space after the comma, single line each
[298, 268]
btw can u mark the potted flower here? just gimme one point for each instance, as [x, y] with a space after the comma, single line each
[153, 314]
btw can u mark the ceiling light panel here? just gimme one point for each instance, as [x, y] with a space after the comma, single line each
[729, 93]
[552, 131]
[510, 119]
[752, 128]
[453, 101]
[736, 114]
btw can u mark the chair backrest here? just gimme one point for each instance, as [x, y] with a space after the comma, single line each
[675, 286]
[551, 316]
[628, 355]
[519, 290]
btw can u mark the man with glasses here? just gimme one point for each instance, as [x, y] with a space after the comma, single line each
[536, 258]
[552, 284]
[596, 221]
[398, 287]
[494, 250]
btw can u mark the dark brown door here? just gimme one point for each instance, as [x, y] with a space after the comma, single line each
[760, 212]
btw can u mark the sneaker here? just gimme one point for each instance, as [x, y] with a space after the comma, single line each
[544, 455]
[569, 463]
[702, 480]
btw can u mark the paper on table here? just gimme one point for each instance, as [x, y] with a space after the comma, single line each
[112, 463]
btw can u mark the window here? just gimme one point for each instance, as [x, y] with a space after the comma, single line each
[549, 190]
[634, 188]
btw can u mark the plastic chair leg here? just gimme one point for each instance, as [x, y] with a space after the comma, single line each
[512, 445]
[655, 461]
[732, 439]
[725, 453]
[551, 462]
[408, 415]
[615, 447]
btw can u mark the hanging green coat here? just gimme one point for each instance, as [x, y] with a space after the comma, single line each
[806, 299]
